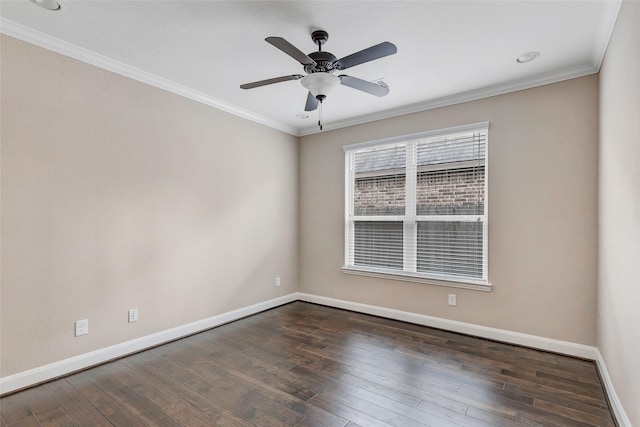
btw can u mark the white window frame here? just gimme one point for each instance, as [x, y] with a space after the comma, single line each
[410, 218]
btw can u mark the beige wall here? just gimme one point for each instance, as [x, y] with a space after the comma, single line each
[542, 214]
[116, 194]
[619, 210]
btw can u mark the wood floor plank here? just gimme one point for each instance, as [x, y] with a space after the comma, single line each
[338, 379]
[172, 405]
[110, 408]
[328, 382]
[571, 386]
[513, 380]
[32, 421]
[550, 419]
[46, 408]
[504, 396]
[424, 413]
[428, 393]
[15, 409]
[574, 414]
[493, 419]
[147, 411]
[336, 406]
[303, 364]
[76, 406]
[237, 394]
[315, 416]
[566, 399]
[569, 403]
[168, 379]
[269, 373]
[574, 382]
[336, 367]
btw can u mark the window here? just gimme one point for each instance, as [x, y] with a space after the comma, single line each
[416, 207]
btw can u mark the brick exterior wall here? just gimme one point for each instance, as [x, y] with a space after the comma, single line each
[449, 192]
[381, 195]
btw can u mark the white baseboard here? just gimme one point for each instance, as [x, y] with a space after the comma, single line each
[616, 405]
[64, 367]
[541, 343]
[533, 341]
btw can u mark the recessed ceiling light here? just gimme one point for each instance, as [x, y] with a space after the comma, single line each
[527, 57]
[48, 4]
[302, 116]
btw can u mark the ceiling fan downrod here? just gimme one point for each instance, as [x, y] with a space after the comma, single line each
[319, 37]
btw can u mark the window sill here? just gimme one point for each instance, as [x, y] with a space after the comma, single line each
[407, 277]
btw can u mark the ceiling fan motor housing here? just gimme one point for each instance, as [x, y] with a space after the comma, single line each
[325, 61]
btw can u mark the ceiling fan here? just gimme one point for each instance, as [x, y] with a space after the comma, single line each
[321, 65]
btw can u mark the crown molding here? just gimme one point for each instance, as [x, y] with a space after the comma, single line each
[472, 95]
[605, 29]
[62, 47]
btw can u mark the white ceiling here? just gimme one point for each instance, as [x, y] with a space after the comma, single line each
[448, 51]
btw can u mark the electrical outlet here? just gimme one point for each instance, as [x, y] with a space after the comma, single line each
[82, 327]
[277, 281]
[133, 315]
[452, 299]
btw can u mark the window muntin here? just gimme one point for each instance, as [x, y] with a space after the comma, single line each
[418, 206]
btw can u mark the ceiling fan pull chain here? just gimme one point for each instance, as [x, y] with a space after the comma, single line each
[320, 116]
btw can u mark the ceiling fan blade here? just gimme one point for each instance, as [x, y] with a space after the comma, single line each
[364, 85]
[374, 52]
[290, 50]
[271, 81]
[312, 103]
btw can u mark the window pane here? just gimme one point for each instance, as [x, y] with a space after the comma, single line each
[452, 149]
[379, 195]
[450, 191]
[379, 182]
[450, 248]
[381, 159]
[378, 244]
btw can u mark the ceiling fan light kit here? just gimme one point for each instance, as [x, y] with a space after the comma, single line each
[320, 84]
[320, 67]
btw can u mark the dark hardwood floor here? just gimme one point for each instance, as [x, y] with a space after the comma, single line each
[307, 365]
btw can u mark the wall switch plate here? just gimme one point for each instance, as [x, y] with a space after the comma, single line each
[133, 315]
[82, 327]
[452, 299]
[277, 281]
